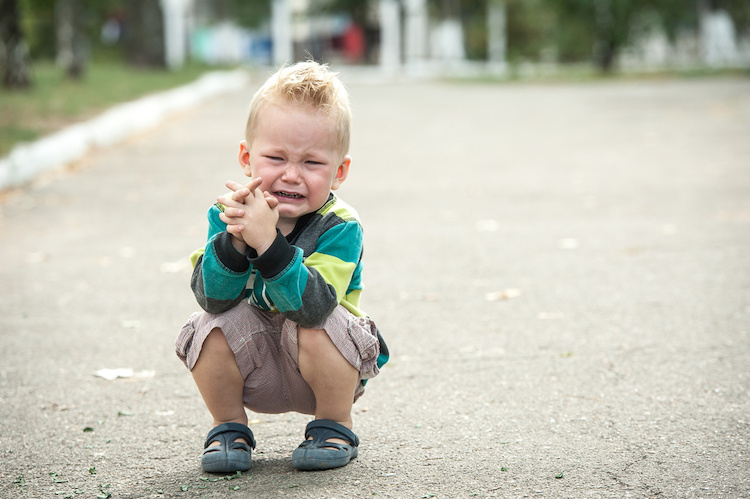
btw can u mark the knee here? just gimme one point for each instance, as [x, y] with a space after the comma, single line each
[216, 344]
[310, 340]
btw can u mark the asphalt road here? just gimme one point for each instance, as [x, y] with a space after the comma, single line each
[562, 272]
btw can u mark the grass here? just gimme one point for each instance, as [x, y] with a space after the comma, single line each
[55, 101]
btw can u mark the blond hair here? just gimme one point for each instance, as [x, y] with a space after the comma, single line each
[307, 84]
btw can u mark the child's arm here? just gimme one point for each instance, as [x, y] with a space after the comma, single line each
[221, 270]
[308, 291]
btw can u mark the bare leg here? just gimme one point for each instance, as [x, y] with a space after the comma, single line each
[332, 378]
[219, 380]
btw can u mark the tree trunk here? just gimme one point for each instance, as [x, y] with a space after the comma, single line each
[15, 64]
[145, 33]
[70, 50]
[605, 55]
[606, 46]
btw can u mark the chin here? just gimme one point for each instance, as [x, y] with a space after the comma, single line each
[296, 213]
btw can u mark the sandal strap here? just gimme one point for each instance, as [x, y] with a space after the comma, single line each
[323, 429]
[242, 430]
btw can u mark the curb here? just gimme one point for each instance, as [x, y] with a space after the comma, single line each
[26, 161]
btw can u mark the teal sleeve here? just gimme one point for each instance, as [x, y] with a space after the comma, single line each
[306, 290]
[220, 275]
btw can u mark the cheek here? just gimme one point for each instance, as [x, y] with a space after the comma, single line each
[266, 185]
[257, 170]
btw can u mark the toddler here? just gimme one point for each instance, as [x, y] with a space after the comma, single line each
[280, 279]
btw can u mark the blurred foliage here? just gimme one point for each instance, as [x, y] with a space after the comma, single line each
[250, 14]
[569, 30]
[599, 29]
[582, 30]
[529, 23]
[56, 101]
[38, 22]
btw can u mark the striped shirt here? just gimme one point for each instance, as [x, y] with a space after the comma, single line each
[304, 275]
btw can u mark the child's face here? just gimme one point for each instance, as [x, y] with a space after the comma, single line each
[295, 151]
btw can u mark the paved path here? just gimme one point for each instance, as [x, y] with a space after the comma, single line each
[561, 271]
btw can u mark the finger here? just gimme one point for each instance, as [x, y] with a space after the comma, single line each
[228, 219]
[260, 195]
[228, 200]
[234, 186]
[254, 183]
[234, 212]
[271, 200]
[240, 194]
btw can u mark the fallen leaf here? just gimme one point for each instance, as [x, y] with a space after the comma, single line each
[568, 243]
[487, 225]
[127, 252]
[181, 265]
[506, 294]
[37, 257]
[545, 316]
[110, 374]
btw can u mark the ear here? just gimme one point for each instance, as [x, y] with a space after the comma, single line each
[244, 157]
[341, 173]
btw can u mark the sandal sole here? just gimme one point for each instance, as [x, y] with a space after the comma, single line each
[321, 459]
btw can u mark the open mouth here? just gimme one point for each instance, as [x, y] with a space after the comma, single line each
[288, 195]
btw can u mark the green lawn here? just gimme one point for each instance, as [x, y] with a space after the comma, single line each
[55, 101]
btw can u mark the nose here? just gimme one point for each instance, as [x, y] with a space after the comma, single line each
[291, 172]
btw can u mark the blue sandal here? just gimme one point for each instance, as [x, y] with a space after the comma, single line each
[317, 454]
[229, 456]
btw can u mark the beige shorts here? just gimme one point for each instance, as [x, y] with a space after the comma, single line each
[265, 347]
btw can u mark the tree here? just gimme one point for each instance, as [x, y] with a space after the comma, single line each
[595, 29]
[70, 50]
[144, 33]
[15, 64]
[599, 29]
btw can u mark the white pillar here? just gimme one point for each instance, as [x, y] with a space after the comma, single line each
[718, 40]
[390, 34]
[281, 32]
[496, 34]
[175, 13]
[448, 41]
[417, 30]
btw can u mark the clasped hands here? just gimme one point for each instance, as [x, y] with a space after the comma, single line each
[251, 216]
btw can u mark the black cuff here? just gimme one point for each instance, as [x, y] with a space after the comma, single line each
[276, 258]
[228, 254]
